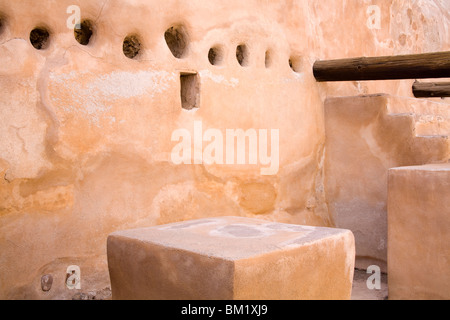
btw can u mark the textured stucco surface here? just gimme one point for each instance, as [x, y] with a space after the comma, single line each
[86, 144]
[419, 232]
[366, 136]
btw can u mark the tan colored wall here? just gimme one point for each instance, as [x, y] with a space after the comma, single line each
[366, 136]
[419, 237]
[86, 132]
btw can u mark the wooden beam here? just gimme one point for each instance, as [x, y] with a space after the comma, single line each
[431, 89]
[415, 66]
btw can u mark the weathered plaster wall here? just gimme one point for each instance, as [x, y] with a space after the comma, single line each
[366, 136]
[419, 235]
[86, 132]
[86, 146]
[406, 27]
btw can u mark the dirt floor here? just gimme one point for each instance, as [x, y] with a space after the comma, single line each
[362, 292]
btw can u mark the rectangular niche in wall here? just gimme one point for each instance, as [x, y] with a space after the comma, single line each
[190, 90]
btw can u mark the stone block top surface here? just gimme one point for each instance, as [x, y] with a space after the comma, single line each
[231, 238]
[426, 167]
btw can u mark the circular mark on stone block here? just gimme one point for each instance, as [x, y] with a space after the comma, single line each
[131, 46]
[186, 225]
[40, 38]
[84, 33]
[177, 40]
[46, 282]
[242, 55]
[288, 227]
[240, 231]
[216, 55]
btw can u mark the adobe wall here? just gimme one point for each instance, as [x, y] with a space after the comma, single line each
[365, 137]
[419, 232]
[87, 133]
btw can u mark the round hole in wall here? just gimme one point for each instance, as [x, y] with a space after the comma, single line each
[295, 63]
[84, 32]
[177, 40]
[268, 59]
[2, 23]
[216, 55]
[131, 46]
[242, 55]
[40, 38]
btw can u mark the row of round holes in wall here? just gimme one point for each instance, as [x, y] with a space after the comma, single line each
[216, 57]
[40, 38]
[175, 37]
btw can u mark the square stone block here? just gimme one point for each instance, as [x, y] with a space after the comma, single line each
[231, 258]
[419, 232]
